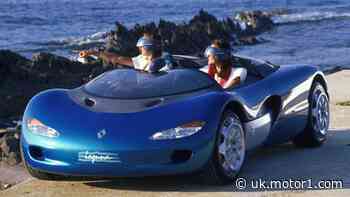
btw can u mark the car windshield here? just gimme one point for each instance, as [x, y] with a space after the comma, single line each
[132, 84]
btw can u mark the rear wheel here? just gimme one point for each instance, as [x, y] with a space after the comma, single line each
[316, 131]
[229, 153]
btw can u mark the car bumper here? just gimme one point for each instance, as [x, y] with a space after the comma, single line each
[119, 163]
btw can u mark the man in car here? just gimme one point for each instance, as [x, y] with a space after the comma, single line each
[151, 58]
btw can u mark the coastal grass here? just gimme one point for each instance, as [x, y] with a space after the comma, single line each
[344, 103]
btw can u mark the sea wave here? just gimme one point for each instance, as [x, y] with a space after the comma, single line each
[78, 42]
[309, 17]
[23, 20]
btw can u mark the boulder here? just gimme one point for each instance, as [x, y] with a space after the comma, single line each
[9, 148]
[12, 64]
[254, 22]
[57, 65]
[121, 41]
[22, 78]
[6, 123]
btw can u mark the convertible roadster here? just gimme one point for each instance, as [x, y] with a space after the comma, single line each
[127, 123]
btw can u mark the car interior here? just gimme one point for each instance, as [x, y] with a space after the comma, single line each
[256, 70]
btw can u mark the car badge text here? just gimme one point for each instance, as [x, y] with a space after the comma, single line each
[96, 157]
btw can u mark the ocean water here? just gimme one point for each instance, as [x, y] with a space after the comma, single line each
[314, 31]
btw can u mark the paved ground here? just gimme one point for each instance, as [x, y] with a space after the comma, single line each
[284, 162]
[339, 89]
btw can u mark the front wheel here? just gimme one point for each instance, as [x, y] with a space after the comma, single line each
[229, 152]
[316, 131]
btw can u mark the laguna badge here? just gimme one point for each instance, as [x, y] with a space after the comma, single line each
[101, 133]
[98, 157]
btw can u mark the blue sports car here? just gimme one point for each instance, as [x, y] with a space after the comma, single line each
[127, 123]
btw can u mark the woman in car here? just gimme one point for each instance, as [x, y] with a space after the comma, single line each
[220, 65]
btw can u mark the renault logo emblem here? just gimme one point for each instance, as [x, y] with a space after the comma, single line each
[101, 133]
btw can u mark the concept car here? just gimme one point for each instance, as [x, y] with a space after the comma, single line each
[127, 123]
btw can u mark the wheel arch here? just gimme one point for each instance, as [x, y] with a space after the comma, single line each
[238, 109]
[273, 103]
[320, 78]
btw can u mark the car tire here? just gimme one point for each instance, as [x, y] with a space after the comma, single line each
[315, 133]
[37, 173]
[230, 139]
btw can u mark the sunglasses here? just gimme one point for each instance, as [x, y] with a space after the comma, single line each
[145, 43]
[219, 53]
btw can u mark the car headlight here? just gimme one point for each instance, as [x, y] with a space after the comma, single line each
[38, 128]
[179, 132]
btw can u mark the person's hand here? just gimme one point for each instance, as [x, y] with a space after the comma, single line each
[87, 53]
[83, 54]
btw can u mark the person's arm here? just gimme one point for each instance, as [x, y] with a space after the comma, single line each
[233, 82]
[108, 57]
[237, 76]
[115, 59]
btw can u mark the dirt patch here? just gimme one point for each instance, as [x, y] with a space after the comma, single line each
[12, 175]
[344, 103]
[4, 186]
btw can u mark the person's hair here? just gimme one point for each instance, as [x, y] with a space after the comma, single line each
[225, 45]
[221, 44]
[148, 35]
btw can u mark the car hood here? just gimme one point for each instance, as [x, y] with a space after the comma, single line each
[113, 105]
[77, 122]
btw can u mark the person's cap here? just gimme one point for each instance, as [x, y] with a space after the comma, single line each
[217, 52]
[144, 42]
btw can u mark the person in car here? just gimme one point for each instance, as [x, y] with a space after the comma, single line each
[151, 58]
[220, 65]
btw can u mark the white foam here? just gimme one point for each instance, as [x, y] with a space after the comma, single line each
[308, 16]
[96, 38]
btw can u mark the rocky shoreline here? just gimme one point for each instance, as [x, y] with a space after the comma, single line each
[193, 37]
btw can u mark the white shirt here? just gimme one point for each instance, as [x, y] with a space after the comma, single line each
[235, 72]
[141, 62]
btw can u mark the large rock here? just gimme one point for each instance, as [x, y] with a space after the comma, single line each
[7, 123]
[49, 63]
[192, 37]
[21, 78]
[12, 65]
[9, 148]
[121, 41]
[255, 22]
